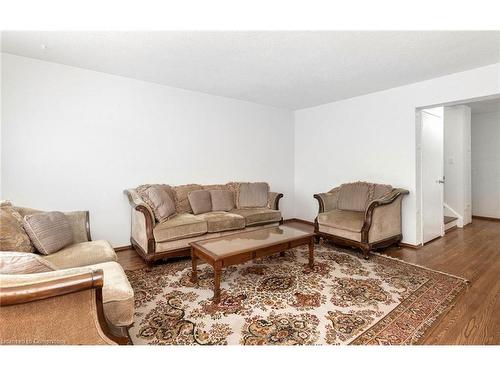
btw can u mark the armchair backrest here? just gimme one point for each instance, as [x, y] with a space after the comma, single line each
[356, 196]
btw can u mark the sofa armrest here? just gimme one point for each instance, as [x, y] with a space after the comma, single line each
[61, 307]
[273, 200]
[381, 205]
[142, 223]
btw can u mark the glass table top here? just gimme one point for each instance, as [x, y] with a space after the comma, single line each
[250, 240]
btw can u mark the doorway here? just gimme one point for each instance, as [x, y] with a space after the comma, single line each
[458, 165]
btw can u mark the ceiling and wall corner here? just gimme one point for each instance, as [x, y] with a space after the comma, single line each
[287, 69]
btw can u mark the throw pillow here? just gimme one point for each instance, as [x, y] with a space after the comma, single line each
[13, 262]
[222, 200]
[13, 237]
[200, 201]
[49, 231]
[253, 194]
[159, 198]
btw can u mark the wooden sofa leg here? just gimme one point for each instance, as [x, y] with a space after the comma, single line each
[366, 252]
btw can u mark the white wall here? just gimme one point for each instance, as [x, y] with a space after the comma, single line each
[74, 139]
[457, 162]
[373, 137]
[486, 164]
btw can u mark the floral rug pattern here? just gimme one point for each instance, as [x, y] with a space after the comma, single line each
[279, 300]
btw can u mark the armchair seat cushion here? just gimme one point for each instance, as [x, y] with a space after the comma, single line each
[82, 254]
[180, 226]
[222, 221]
[346, 220]
[256, 216]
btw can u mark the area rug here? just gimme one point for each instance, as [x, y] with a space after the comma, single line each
[280, 301]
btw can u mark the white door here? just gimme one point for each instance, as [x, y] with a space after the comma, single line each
[432, 173]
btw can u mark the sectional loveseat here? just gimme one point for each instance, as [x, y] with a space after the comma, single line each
[77, 295]
[164, 221]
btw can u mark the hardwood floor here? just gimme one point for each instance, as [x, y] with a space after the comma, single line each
[472, 252]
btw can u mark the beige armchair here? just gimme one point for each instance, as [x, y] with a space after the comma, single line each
[361, 215]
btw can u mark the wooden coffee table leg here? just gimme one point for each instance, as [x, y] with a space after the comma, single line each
[194, 270]
[311, 254]
[217, 274]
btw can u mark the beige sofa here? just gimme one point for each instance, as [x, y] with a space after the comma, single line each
[155, 240]
[82, 295]
[361, 214]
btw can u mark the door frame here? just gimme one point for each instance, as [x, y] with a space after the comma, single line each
[418, 154]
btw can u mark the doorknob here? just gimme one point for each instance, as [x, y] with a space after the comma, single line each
[440, 181]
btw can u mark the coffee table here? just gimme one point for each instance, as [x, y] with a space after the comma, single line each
[241, 247]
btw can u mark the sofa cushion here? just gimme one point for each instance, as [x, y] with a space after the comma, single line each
[256, 216]
[222, 221]
[354, 196]
[222, 200]
[15, 262]
[48, 231]
[160, 199]
[347, 220]
[252, 195]
[179, 226]
[82, 254]
[342, 233]
[117, 294]
[200, 201]
[181, 197]
[13, 237]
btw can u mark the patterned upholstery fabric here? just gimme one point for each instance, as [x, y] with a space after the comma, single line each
[13, 237]
[357, 196]
[48, 231]
[181, 197]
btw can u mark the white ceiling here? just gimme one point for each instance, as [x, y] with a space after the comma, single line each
[485, 106]
[283, 69]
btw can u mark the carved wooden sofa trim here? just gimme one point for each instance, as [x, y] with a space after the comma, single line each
[60, 310]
